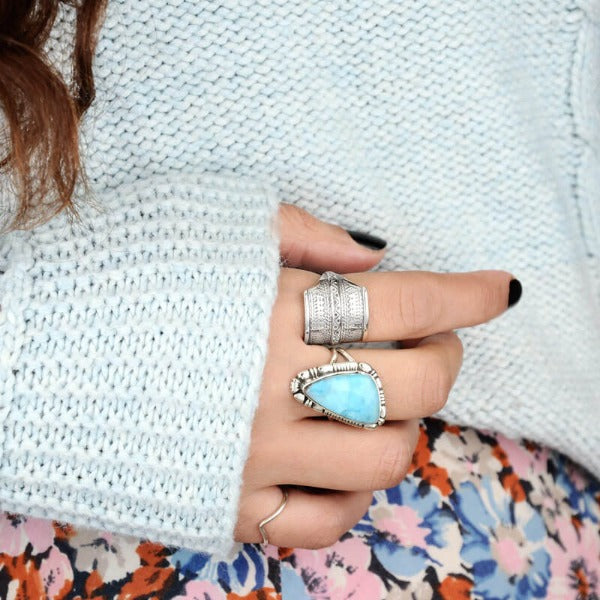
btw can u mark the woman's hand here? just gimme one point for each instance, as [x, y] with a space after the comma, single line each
[292, 444]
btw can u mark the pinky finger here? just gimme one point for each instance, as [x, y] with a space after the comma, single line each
[307, 521]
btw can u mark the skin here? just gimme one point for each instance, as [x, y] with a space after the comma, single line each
[294, 445]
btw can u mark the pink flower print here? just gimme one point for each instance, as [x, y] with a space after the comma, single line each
[415, 528]
[56, 574]
[575, 572]
[40, 533]
[404, 525]
[340, 571]
[202, 590]
[524, 463]
[511, 550]
[16, 531]
[13, 537]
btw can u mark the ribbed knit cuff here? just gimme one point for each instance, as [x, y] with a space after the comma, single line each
[131, 357]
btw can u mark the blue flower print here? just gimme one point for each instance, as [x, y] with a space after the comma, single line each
[503, 543]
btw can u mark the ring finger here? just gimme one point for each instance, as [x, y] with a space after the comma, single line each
[354, 460]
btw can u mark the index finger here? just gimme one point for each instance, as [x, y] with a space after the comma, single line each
[419, 303]
[413, 304]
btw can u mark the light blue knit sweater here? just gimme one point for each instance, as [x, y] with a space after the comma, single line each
[466, 134]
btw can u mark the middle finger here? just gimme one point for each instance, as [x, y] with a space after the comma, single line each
[416, 381]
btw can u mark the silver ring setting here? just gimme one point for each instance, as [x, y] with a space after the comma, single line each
[336, 311]
[350, 392]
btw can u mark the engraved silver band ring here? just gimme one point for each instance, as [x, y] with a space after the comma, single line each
[336, 311]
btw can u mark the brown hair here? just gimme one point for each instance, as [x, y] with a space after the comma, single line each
[40, 152]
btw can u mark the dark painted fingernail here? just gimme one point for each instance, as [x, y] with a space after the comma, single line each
[514, 292]
[366, 239]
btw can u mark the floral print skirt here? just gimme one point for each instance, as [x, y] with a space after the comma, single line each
[478, 516]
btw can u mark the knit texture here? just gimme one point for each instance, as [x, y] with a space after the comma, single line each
[466, 134]
[131, 356]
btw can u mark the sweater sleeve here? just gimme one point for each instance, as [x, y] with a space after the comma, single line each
[132, 347]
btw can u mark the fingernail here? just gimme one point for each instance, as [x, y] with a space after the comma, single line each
[514, 292]
[366, 239]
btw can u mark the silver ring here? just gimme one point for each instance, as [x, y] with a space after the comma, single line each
[336, 311]
[350, 392]
[261, 525]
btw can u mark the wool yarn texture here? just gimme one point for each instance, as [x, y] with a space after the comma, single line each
[132, 345]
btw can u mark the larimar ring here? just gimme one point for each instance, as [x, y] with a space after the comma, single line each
[350, 392]
[336, 311]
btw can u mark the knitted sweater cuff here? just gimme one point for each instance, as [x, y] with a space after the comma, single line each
[132, 347]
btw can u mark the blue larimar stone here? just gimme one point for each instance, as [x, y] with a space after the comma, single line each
[350, 395]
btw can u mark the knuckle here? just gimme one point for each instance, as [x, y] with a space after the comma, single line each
[454, 340]
[414, 432]
[458, 347]
[442, 388]
[392, 465]
[331, 527]
[436, 384]
[295, 251]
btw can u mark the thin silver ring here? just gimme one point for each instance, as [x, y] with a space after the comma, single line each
[336, 311]
[261, 525]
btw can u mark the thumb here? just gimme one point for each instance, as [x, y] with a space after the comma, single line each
[308, 243]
